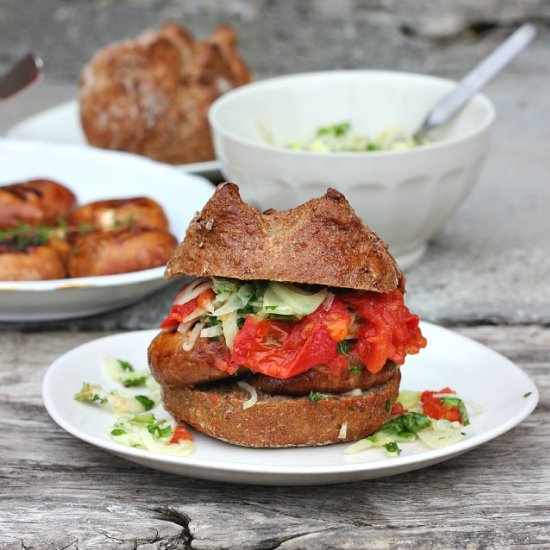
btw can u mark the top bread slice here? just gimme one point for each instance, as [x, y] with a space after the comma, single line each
[321, 242]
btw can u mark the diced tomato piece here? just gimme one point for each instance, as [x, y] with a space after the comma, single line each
[181, 434]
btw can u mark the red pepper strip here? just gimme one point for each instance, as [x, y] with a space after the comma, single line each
[281, 349]
[180, 434]
[432, 406]
[180, 311]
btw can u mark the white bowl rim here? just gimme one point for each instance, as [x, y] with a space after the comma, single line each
[220, 103]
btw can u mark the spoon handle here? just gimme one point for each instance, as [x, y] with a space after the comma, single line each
[478, 77]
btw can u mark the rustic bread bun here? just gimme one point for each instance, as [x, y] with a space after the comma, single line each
[277, 421]
[150, 95]
[320, 242]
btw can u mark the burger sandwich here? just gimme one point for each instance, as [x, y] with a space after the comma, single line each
[293, 330]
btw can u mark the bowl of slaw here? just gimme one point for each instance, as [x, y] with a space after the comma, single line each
[287, 139]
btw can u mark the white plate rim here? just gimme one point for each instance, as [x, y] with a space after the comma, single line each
[394, 463]
[23, 130]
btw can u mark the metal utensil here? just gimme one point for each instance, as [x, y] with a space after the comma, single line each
[23, 73]
[476, 79]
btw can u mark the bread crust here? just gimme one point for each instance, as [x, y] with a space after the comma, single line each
[277, 421]
[320, 242]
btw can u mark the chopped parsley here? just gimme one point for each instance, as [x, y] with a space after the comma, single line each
[335, 130]
[527, 394]
[392, 447]
[160, 428]
[388, 405]
[91, 394]
[125, 365]
[315, 396]
[343, 347]
[406, 425]
[355, 369]
[147, 403]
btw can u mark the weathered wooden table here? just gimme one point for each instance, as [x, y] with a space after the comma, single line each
[486, 275]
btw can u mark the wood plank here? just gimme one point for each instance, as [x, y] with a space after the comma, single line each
[56, 491]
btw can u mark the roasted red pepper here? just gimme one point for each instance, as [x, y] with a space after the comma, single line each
[387, 329]
[181, 434]
[433, 406]
[282, 349]
[180, 311]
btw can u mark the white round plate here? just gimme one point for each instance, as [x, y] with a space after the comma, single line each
[476, 372]
[61, 124]
[94, 174]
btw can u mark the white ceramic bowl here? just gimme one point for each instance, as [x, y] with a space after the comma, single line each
[402, 195]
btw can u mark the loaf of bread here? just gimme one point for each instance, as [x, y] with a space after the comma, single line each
[150, 95]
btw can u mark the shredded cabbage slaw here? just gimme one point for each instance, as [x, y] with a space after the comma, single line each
[135, 425]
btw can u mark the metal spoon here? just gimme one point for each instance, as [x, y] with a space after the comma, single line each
[20, 75]
[476, 79]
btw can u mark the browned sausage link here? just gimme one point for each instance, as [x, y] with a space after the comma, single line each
[34, 263]
[321, 380]
[110, 253]
[136, 212]
[172, 366]
[34, 202]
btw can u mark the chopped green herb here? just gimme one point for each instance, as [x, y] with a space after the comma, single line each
[91, 394]
[406, 424]
[118, 431]
[212, 321]
[392, 447]
[272, 308]
[355, 369]
[372, 439]
[343, 347]
[388, 405]
[160, 429]
[315, 396]
[147, 403]
[527, 394]
[335, 130]
[449, 402]
[125, 365]
[145, 418]
[134, 381]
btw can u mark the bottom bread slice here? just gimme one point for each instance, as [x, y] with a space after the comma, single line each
[281, 421]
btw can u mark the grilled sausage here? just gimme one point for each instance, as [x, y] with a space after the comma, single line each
[319, 379]
[105, 253]
[34, 202]
[116, 214]
[172, 366]
[34, 263]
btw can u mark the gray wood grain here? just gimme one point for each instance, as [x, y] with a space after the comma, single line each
[59, 492]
